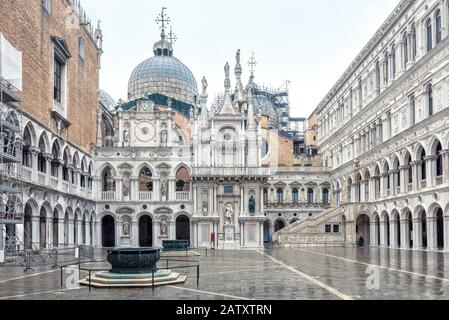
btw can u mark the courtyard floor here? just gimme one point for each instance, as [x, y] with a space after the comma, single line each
[278, 274]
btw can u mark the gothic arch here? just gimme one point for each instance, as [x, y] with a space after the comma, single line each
[143, 165]
[29, 125]
[46, 142]
[104, 166]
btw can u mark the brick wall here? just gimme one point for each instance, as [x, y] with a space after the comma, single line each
[29, 28]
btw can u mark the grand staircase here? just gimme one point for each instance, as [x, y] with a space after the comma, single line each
[309, 233]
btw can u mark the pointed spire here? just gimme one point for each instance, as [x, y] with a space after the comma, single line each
[250, 115]
[227, 82]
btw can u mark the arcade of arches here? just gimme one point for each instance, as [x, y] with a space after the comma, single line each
[420, 229]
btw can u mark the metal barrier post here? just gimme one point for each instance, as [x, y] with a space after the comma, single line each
[197, 274]
[28, 262]
[167, 264]
[152, 278]
[89, 282]
[61, 276]
[55, 265]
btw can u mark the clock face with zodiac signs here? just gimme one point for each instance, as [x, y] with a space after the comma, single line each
[145, 131]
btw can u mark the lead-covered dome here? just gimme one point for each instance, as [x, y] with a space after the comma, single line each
[163, 74]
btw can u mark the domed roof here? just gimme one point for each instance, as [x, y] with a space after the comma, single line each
[163, 74]
[107, 100]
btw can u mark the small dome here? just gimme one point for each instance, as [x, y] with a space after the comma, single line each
[107, 100]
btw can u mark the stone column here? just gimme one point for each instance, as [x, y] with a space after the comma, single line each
[393, 176]
[405, 234]
[445, 165]
[446, 231]
[415, 181]
[383, 184]
[403, 170]
[71, 230]
[393, 233]
[417, 233]
[60, 233]
[35, 231]
[49, 233]
[362, 191]
[431, 170]
[357, 145]
[135, 233]
[34, 153]
[431, 225]
[383, 233]
[48, 157]
[373, 234]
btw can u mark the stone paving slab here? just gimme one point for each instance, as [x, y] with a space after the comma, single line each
[278, 274]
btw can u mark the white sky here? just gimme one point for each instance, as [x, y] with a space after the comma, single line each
[309, 42]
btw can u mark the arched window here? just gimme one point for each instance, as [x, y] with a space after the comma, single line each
[405, 48]
[65, 170]
[386, 69]
[438, 26]
[439, 161]
[430, 99]
[295, 194]
[265, 195]
[89, 178]
[310, 196]
[412, 110]
[325, 196]
[145, 180]
[81, 47]
[280, 195]
[423, 165]
[414, 46]
[27, 158]
[182, 180]
[377, 81]
[41, 162]
[54, 162]
[108, 182]
[393, 61]
[83, 178]
[429, 34]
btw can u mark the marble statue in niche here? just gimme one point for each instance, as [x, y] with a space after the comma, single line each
[229, 212]
[164, 190]
[252, 204]
[164, 228]
[164, 137]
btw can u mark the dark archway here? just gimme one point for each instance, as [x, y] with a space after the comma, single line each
[43, 228]
[266, 229]
[363, 228]
[183, 228]
[440, 229]
[279, 225]
[108, 231]
[28, 228]
[55, 228]
[145, 232]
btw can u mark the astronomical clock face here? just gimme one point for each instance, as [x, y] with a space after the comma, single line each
[145, 131]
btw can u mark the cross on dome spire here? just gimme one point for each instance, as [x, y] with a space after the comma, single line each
[171, 36]
[252, 63]
[163, 20]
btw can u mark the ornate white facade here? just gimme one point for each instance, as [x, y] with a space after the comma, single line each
[383, 132]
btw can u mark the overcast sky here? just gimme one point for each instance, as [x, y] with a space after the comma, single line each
[308, 42]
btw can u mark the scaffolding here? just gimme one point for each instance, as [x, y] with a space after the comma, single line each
[11, 183]
[279, 98]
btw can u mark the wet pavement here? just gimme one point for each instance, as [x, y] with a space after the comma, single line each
[278, 274]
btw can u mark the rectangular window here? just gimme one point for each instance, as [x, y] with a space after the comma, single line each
[328, 228]
[336, 228]
[46, 4]
[228, 189]
[57, 80]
